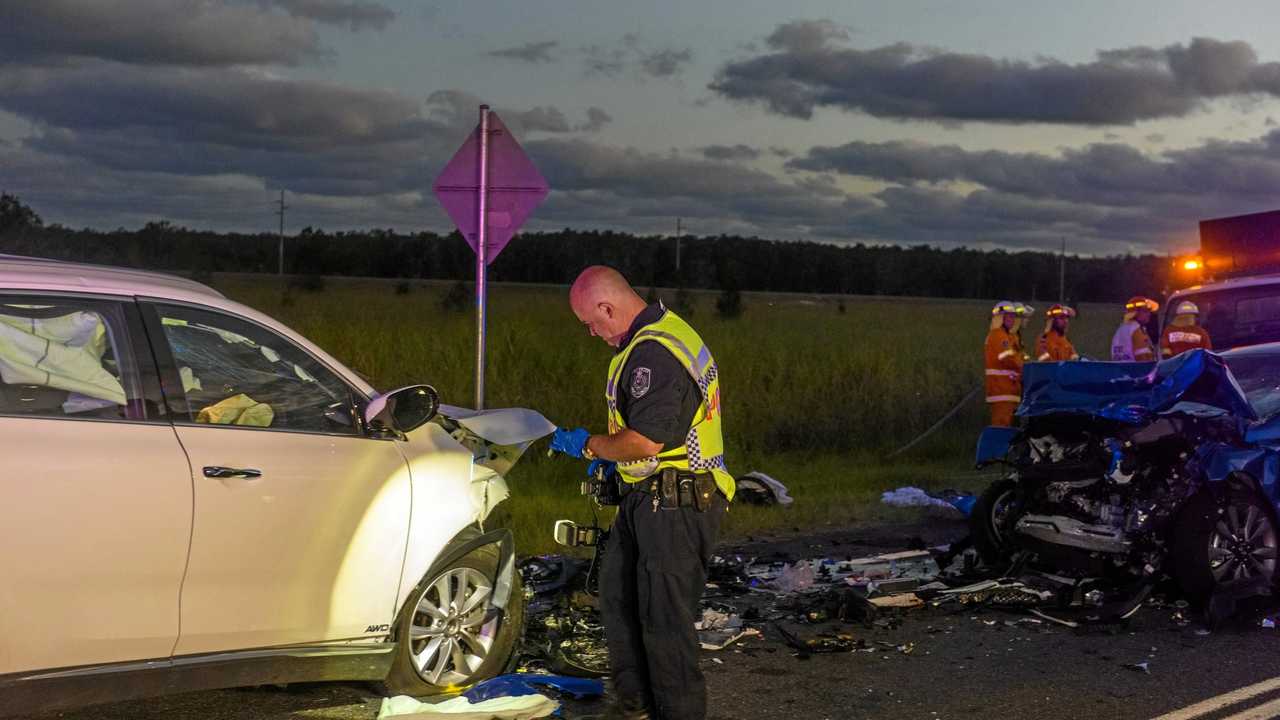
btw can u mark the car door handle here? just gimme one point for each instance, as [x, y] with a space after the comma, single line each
[217, 471]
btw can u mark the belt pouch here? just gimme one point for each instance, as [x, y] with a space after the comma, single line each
[668, 489]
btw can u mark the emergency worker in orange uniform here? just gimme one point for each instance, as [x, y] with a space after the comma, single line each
[1004, 359]
[1053, 345]
[1184, 333]
[1131, 342]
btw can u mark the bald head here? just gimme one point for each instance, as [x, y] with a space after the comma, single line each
[605, 302]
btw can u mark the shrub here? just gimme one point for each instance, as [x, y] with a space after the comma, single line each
[729, 304]
[457, 299]
[683, 304]
[313, 282]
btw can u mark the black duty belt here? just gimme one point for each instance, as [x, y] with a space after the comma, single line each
[671, 489]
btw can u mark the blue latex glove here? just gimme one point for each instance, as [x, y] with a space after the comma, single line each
[570, 442]
[608, 465]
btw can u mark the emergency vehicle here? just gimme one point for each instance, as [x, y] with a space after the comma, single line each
[1237, 276]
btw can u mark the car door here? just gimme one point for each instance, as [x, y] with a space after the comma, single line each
[95, 491]
[301, 518]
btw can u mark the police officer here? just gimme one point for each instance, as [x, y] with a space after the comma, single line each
[665, 446]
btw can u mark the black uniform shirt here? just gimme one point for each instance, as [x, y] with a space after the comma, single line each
[656, 395]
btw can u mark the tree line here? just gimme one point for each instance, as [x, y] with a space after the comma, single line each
[723, 262]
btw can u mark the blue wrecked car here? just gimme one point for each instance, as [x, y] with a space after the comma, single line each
[1141, 472]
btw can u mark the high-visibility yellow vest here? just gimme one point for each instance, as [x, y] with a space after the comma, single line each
[703, 448]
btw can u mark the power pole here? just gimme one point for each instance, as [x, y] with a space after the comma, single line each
[677, 245]
[1062, 273]
[280, 212]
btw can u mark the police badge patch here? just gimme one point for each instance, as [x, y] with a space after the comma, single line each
[640, 382]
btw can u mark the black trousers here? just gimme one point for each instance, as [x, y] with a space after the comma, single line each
[652, 575]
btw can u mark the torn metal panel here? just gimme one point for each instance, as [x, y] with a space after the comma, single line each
[496, 439]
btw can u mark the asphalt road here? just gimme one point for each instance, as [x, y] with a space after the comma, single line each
[982, 664]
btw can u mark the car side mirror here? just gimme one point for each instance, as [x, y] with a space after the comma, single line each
[403, 410]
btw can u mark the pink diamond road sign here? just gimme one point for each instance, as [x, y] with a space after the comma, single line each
[488, 188]
[515, 188]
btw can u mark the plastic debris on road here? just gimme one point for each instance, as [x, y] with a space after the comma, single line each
[948, 500]
[516, 684]
[524, 707]
[756, 488]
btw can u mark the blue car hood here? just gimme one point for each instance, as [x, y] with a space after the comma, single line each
[1196, 382]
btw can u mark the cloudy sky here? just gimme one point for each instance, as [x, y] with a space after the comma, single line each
[1115, 125]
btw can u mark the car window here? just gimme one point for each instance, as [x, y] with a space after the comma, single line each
[67, 358]
[1257, 370]
[1237, 317]
[234, 372]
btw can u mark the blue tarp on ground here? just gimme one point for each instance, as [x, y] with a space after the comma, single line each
[516, 684]
[1196, 382]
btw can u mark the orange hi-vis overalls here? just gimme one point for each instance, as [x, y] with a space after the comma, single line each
[1003, 352]
[1177, 339]
[1054, 347]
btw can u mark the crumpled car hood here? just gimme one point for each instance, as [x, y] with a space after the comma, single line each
[1196, 382]
[507, 432]
[496, 439]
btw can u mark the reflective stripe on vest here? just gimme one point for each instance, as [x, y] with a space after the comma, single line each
[1003, 373]
[1003, 398]
[703, 448]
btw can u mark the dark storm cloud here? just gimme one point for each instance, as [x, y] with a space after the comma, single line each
[732, 153]
[459, 111]
[807, 66]
[597, 118]
[632, 55]
[354, 14]
[533, 52]
[1110, 195]
[154, 32]
[236, 107]
[1101, 174]
[634, 183]
[665, 63]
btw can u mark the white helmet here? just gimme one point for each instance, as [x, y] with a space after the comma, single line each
[1186, 307]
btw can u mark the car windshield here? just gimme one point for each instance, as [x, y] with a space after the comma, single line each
[1237, 317]
[1257, 369]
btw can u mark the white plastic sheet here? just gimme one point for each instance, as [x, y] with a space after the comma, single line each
[521, 707]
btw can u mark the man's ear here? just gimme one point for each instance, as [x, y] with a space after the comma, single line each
[605, 308]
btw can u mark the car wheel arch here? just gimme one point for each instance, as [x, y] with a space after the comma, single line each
[467, 540]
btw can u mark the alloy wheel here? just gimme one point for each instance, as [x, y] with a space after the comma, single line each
[451, 633]
[1243, 544]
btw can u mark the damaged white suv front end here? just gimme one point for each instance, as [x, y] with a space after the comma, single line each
[196, 496]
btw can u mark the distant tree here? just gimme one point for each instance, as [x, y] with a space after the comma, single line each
[15, 216]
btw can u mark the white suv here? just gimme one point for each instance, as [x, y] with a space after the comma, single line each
[194, 496]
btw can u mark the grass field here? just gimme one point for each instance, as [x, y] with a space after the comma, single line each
[816, 392]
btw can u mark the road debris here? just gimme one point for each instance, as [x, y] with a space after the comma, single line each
[524, 707]
[950, 501]
[756, 488]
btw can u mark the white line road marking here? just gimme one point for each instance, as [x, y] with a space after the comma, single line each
[1231, 698]
[1266, 711]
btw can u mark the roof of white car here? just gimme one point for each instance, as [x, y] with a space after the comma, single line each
[1231, 284]
[18, 271]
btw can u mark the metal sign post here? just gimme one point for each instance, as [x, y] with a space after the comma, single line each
[482, 239]
[488, 188]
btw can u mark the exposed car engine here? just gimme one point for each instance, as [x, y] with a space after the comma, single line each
[1099, 498]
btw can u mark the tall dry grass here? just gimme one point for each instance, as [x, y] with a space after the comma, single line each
[813, 395]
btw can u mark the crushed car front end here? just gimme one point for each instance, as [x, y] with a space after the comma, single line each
[1132, 472]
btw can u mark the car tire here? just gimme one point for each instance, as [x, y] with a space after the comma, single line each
[1213, 543]
[414, 670]
[990, 521]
